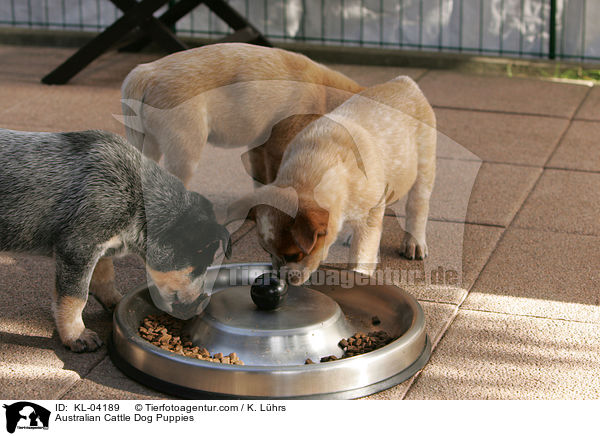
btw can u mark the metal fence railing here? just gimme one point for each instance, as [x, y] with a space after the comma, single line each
[563, 29]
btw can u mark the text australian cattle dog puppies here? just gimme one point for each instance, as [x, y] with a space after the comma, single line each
[83, 196]
[346, 166]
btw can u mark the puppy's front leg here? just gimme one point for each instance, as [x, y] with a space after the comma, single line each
[414, 245]
[364, 247]
[102, 284]
[72, 280]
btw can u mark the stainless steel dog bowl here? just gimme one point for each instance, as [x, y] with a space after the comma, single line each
[275, 344]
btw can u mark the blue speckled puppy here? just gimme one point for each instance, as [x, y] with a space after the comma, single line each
[84, 196]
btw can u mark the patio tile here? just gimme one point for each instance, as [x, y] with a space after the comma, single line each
[367, 75]
[16, 94]
[590, 108]
[29, 63]
[457, 253]
[487, 193]
[499, 192]
[563, 201]
[35, 364]
[437, 317]
[106, 382]
[28, 127]
[448, 148]
[69, 108]
[495, 356]
[460, 90]
[579, 148]
[498, 137]
[551, 275]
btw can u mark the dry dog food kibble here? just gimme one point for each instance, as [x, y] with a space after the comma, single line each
[359, 343]
[362, 343]
[166, 332]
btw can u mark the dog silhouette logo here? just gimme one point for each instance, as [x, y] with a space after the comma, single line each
[26, 415]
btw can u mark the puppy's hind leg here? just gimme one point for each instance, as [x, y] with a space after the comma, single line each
[102, 284]
[72, 280]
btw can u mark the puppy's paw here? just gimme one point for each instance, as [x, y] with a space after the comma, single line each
[86, 342]
[413, 249]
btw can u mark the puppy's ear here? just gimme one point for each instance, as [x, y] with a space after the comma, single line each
[310, 223]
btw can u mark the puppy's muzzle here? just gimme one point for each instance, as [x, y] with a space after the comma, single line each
[183, 304]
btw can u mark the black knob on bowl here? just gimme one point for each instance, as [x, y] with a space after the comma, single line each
[268, 291]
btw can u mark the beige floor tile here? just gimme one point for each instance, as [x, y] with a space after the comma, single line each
[448, 148]
[30, 64]
[34, 362]
[499, 192]
[437, 317]
[495, 356]
[553, 275]
[106, 382]
[564, 201]
[28, 127]
[579, 148]
[497, 137]
[457, 253]
[590, 109]
[504, 94]
[487, 193]
[16, 94]
[69, 108]
[367, 75]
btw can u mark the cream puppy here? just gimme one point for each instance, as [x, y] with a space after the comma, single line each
[230, 95]
[347, 166]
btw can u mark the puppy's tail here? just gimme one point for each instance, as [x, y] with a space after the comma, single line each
[132, 103]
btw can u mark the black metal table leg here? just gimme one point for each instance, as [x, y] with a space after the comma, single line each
[234, 19]
[140, 14]
[90, 51]
[154, 28]
[169, 18]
